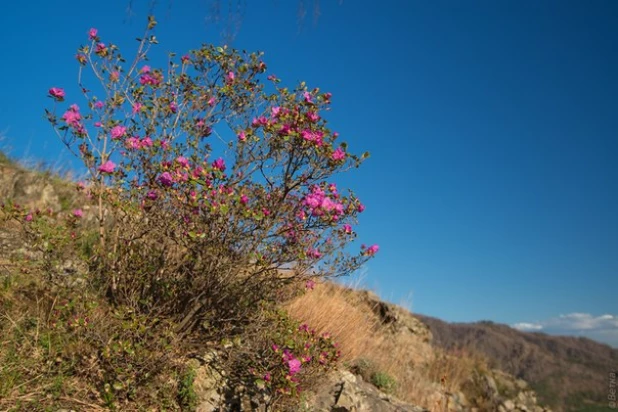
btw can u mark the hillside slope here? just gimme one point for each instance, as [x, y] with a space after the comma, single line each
[64, 345]
[568, 373]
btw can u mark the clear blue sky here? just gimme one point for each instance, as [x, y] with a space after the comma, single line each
[493, 127]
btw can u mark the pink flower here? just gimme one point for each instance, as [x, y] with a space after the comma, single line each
[219, 164]
[285, 129]
[98, 124]
[267, 377]
[211, 101]
[294, 366]
[132, 143]
[310, 284]
[107, 167]
[259, 121]
[146, 79]
[166, 179]
[183, 161]
[313, 117]
[137, 106]
[147, 142]
[29, 217]
[57, 93]
[244, 199]
[313, 136]
[242, 136]
[98, 104]
[152, 195]
[230, 77]
[372, 250]
[173, 107]
[114, 76]
[185, 58]
[145, 69]
[347, 229]
[92, 34]
[118, 131]
[275, 111]
[313, 253]
[360, 208]
[338, 154]
[101, 49]
[78, 213]
[307, 97]
[72, 116]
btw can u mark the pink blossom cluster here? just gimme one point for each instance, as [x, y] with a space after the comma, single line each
[371, 250]
[72, 118]
[118, 131]
[314, 136]
[100, 49]
[287, 122]
[149, 79]
[294, 365]
[319, 203]
[219, 164]
[107, 167]
[338, 154]
[314, 253]
[136, 143]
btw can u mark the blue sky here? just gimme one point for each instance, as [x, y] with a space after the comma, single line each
[493, 131]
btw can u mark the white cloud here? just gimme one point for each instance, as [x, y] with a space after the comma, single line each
[582, 321]
[527, 326]
[603, 328]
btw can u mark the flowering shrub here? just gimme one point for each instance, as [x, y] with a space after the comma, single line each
[299, 352]
[212, 187]
[279, 362]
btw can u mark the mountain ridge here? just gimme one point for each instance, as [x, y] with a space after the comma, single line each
[567, 372]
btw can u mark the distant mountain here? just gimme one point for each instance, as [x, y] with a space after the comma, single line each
[568, 373]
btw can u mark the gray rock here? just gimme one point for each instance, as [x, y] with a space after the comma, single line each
[344, 392]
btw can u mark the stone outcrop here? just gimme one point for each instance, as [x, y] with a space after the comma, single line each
[346, 392]
[33, 189]
[397, 318]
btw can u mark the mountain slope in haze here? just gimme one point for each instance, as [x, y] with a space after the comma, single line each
[568, 373]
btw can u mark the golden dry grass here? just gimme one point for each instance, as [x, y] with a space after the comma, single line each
[422, 374]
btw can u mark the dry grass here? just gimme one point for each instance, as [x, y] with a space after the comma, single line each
[330, 308]
[422, 375]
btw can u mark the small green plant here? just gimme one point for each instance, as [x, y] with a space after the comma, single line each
[187, 397]
[384, 382]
